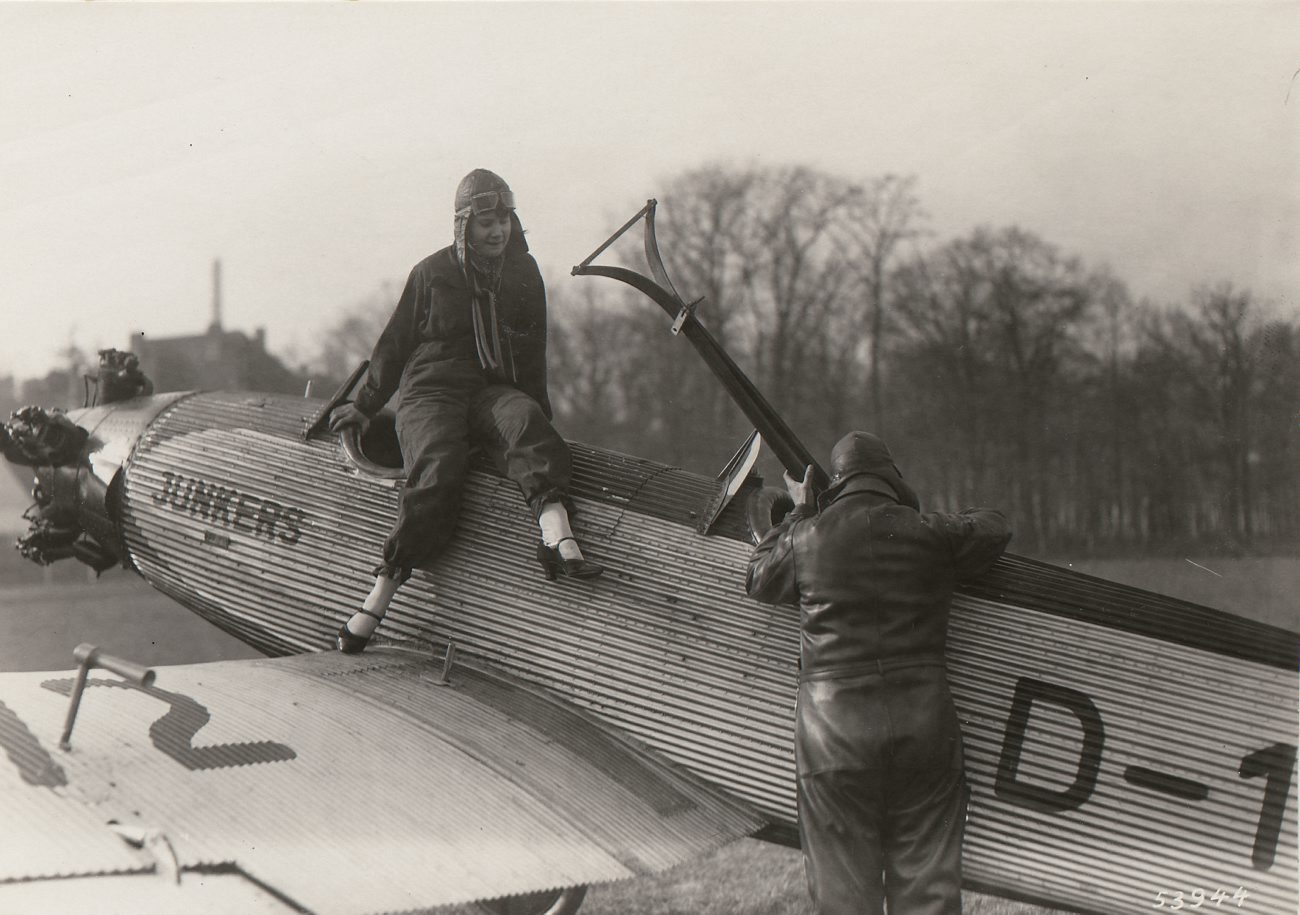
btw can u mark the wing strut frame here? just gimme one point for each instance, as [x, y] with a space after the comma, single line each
[787, 447]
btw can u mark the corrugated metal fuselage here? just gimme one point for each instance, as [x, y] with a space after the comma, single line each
[1120, 745]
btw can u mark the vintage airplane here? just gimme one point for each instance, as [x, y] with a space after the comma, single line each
[1127, 751]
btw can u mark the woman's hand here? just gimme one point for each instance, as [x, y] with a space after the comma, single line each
[348, 414]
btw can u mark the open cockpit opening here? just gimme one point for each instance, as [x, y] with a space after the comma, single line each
[377, 452]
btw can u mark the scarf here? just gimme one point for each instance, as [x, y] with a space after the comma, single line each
[484, 275]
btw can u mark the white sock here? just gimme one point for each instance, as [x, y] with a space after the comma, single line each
[554, 522]
[381, 594]
[376, 602]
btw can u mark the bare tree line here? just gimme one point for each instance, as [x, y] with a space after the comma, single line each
[1002, 370]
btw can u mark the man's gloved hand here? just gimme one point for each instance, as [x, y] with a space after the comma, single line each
[348, 414]
[801, 490]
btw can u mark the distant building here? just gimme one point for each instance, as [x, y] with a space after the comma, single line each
[60, 388]
[216, 360]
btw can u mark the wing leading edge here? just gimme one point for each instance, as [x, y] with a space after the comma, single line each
[337, 784]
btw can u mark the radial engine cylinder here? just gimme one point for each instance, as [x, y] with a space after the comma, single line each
[77, 459]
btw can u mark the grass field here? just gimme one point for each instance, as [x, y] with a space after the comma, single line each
[41, 624]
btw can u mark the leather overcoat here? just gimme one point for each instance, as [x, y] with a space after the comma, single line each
[874, 582]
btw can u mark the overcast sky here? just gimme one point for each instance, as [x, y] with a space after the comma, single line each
[315, 148]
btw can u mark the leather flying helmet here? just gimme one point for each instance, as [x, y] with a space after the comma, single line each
[863, 454]
[482, 191]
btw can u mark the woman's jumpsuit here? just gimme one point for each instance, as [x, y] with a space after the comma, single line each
[450, 401]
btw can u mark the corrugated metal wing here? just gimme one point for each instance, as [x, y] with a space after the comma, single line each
[360, 784]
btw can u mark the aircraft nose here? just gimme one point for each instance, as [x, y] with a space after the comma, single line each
[76, 458]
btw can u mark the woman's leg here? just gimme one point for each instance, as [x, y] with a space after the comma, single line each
[522, 442]
[365, 621]
[553, 519]
[433, 432]
[527, 449]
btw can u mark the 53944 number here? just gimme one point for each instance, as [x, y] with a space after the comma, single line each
[1178, 899]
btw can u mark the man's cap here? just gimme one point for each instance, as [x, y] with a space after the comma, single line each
[862, 453]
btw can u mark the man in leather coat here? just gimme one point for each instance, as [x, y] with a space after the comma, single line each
[882, 794]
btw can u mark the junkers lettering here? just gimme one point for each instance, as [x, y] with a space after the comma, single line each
[231, 508]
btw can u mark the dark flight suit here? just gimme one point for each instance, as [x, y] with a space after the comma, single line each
[449, 400]
[882, 797]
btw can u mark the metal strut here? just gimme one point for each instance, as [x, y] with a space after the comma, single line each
[780, 438]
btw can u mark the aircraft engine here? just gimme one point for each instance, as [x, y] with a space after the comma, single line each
[76, 457]
[70, 501]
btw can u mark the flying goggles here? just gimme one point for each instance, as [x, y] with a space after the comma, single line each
[490, 202]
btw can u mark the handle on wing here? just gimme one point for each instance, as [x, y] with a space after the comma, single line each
[88, 657]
